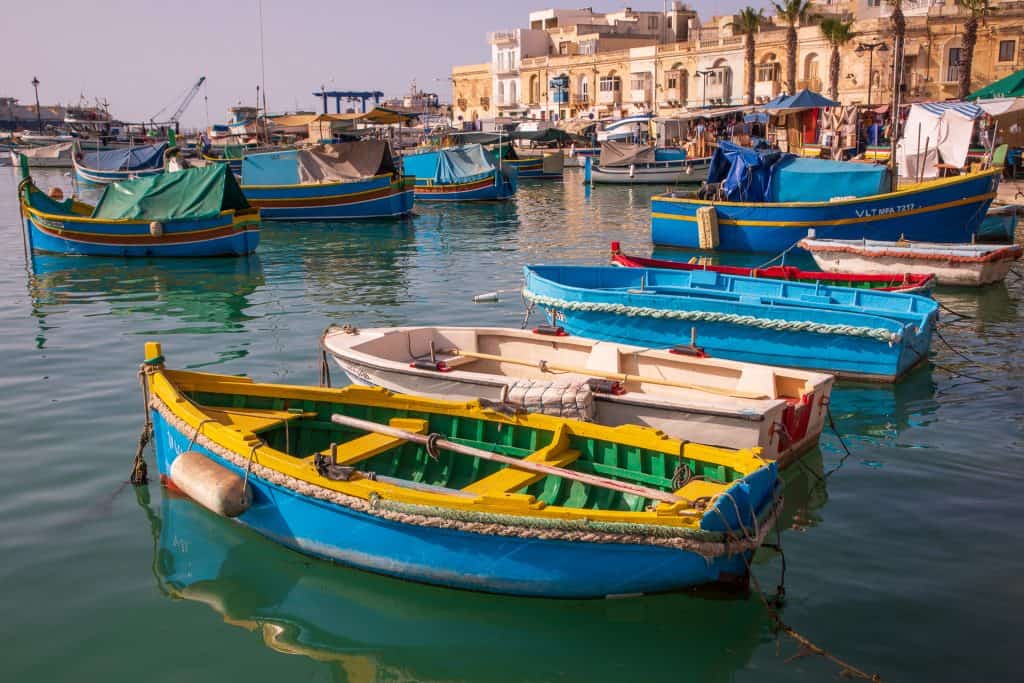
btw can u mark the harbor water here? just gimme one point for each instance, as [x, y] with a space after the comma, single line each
[902, 558]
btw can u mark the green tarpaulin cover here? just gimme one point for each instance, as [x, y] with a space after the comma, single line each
[191, 193]
[1010, 86]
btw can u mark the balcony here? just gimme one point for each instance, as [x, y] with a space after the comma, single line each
[609, 97]
[502, 37]
[640, 96]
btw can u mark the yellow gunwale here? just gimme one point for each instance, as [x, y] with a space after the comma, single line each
[917, 187]
[834, 221]
[164, 385]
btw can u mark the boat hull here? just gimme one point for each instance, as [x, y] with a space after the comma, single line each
[450, 557]
[881, 349]
[950, 210]
[672, 173]
[222, 235]
[378, 197]
[948, 270]
[545, 167]
[490, 188]
[63, 161]
[96, 177]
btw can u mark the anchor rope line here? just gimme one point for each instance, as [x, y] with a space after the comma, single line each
[876, 333]
[708, 544]
[953, 348]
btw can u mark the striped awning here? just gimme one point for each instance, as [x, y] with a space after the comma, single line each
[968, 110]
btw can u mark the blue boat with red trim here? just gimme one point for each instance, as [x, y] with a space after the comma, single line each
[466, 173]
[328, 182]
[856, 333]
[767, 202]
[193, 212]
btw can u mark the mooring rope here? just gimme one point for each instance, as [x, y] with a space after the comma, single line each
[879, 334]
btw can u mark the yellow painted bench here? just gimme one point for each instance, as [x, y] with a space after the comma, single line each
[511, 479]
[370, 445]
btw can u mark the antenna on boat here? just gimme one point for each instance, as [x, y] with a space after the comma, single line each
[263, 76]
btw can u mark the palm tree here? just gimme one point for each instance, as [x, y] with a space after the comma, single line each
[792, 12]
[748, 23]
[837, 32]
[976, 11]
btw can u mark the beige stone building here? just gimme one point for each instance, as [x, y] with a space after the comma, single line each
[578, 63]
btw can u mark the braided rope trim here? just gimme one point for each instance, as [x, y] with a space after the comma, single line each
[704, 543]
[876, 333]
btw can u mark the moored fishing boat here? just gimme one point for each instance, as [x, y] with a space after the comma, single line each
[969, 265]
[906, 283]
[691, 397]
[850, 332]
[768, 202]
[465, 173]
[111, 166]
[51, 156]
[622, 163]
[327, 182]
[531, 166]
[458, 495]
[194, 212]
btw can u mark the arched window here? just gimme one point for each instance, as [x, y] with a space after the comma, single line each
[952, 53]
[811, 69]
[513, 93]
[501, 93]
[583, 88]
[534, 89]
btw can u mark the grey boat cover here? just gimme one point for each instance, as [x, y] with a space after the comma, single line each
[615, 153]
[339, 162]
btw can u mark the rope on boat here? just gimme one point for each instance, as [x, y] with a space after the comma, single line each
[879, 334]
[842, 442]
[708, 544]
[956, 313]
[140, 472]
[953, 348]
[781, 255]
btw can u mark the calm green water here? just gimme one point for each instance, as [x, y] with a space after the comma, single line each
[908, 565]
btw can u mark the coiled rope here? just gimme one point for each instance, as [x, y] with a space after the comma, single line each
[879, 334]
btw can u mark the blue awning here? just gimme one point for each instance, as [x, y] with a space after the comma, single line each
[804, 99]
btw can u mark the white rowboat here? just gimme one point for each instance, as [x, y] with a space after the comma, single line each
[704, 400]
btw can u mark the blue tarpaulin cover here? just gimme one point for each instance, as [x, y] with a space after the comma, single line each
[747, 175]
[133, 159]
[452, 165]
[819, 180]
[271, 168]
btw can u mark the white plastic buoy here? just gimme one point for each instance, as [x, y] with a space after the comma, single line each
[487, 297]
[156, 229]
[213, 486]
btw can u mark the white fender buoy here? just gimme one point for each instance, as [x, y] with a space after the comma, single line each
[56, 194]
[213, 486]
[156, 229]
[632, 170]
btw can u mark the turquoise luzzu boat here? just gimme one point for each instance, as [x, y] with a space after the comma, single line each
[327, 182]
[460, 494]
[466, 173]
[102, 167]
[767, 202]
[193, 212]
[852, 333]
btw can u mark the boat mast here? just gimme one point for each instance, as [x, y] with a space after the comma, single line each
[263, 79]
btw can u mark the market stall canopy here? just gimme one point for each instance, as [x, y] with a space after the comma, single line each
[378, 115]
[1010, 86]
[934, 132]
[339, 162]
[190, 193]
[625, 154]
[714, 113]
[1001, 105]
[804, 99]
[578, 126]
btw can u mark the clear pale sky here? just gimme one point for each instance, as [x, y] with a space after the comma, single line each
[141, 55]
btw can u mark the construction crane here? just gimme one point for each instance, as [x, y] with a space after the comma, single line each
[189, 96]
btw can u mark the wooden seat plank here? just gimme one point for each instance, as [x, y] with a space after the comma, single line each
[370, 445]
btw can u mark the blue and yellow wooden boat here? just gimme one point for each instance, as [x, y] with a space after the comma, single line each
[530, 167]
[466, 173]
[117, 165]
[849, 332]
[383, 482]
[194, 212]
[769, 202]
[328, 182]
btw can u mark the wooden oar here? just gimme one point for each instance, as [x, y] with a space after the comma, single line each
[618, 376]
[539, 468]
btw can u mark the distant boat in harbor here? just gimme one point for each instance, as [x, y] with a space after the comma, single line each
[622, 163]
[466, 173]
[59, 155]
[102, 168]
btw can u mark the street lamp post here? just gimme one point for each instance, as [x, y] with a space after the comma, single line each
[704, 92]
[39, 113]
[870, 49]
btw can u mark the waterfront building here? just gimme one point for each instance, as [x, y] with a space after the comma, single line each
[580, 63]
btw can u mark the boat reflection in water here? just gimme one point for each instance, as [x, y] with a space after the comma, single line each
[197, 294]
[375, 628]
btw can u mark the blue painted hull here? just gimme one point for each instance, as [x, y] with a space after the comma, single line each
[373, 198]
[218, 236]
[459, 559]
[615, 309]
[495, 187]
[949, 211]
